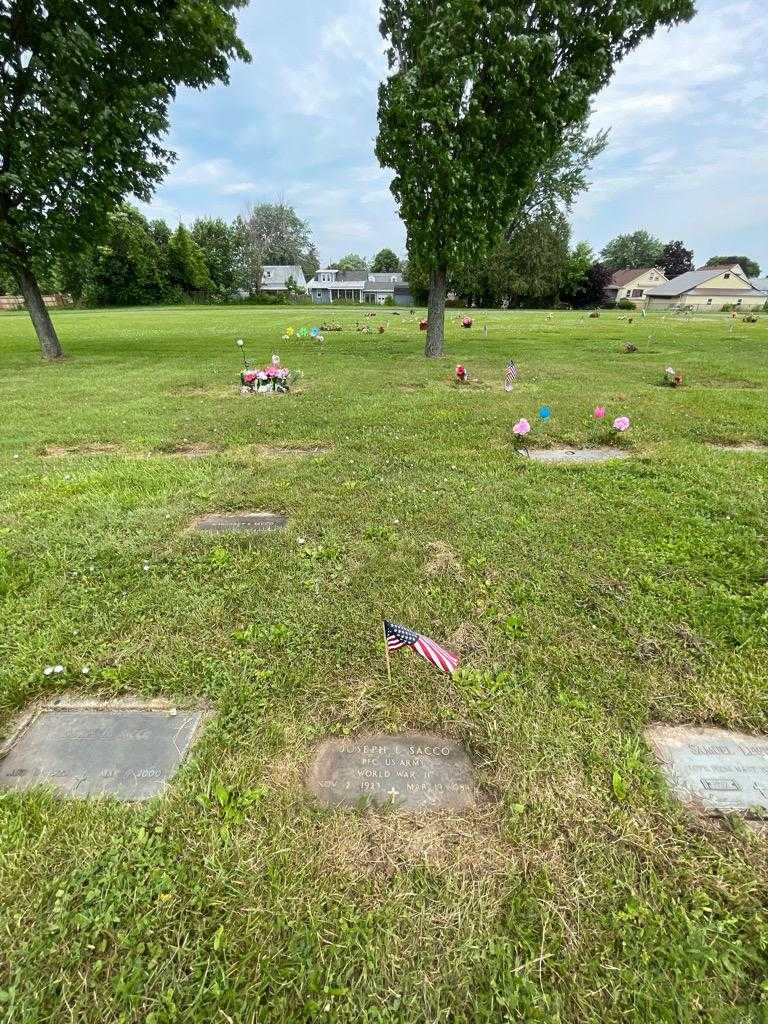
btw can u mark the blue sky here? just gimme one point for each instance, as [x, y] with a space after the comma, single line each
[687, 155]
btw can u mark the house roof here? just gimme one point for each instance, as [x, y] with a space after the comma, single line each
[693, 279]
[761, 283]
[276, 276]
[383, 282]
[623, 277]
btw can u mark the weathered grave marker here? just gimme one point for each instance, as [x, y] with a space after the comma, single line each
[254, 522]
[411, 771]
[570, 455]
[712, 769]
[128, 754]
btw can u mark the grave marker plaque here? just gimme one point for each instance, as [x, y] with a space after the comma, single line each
[566, 456]
[410, 771]
[713, 769]
[252, 522]
[128, 754]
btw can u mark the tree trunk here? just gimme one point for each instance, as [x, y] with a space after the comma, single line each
[436, 312]
[49, 342]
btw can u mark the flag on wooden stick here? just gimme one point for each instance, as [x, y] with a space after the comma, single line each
[401, 636]
[511, 375]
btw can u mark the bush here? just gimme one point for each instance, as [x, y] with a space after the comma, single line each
[626, 304]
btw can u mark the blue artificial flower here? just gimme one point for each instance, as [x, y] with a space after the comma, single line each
[544, 412]
[314, 331]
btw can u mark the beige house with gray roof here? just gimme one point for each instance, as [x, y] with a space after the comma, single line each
[709, 288]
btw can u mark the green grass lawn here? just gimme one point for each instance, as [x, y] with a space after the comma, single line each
[585, 602]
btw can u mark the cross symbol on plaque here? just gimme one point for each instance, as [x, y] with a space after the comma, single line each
[393, 793]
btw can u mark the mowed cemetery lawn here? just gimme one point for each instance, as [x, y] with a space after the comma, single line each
[585, 602]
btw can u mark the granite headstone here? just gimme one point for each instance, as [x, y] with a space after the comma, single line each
[410, 771]
[713, 770]
[128, 754]
[254, 522]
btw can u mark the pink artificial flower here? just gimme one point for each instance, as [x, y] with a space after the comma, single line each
[271, 371]
[521, 428]
[249, 375]
[599, 412]
[261, 375]
[621, 423]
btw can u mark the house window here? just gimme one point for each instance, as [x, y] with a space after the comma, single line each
[709, 302]
[738, 302]
[637, 293]
[726, 276]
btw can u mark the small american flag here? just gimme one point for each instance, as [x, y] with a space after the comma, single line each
[511, 375]
[401, 636]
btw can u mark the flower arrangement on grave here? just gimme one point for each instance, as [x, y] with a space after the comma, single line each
[520, 432]
[629, 347]
[271, 379]
[462, 377]
[423, 325]
[466, 322]
[672, 379]
[620, 424]
[330, 327]
[594, 315]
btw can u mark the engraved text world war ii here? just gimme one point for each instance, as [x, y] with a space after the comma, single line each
[412, 771]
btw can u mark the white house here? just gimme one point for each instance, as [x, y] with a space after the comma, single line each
[329, 286]
[380, 287]
[275, 278]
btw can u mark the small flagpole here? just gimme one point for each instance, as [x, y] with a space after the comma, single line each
[386, 654]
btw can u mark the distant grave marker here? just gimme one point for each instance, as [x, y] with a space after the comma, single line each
[712, 769]
[252, 522]
[128, 754]
[572, 455]
[411, 771]
[749, 446]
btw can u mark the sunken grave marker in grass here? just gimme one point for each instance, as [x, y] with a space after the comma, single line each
[251, 522]
[713, 770]
[409, 771]
[568, 456]
[128, 753]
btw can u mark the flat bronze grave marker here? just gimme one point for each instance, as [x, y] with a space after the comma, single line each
[255, 522]
[712, 769]
[410, 771]
[128, 754]
[570, 455]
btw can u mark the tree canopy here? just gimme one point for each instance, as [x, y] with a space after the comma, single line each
[385, 262]
[750, 267]
[279, 236]
[632, 251]
[676, 259]
[84, 95]
[479, 100]
[351, 262]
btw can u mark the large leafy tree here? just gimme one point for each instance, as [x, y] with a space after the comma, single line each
[479, 99]
[352, 261]
[632, 251]
[187, 269]
[385, 262]
[227, 252]
[676, 259]
[84, 95]
[127, 268]
[750, 267]
[278, 235]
